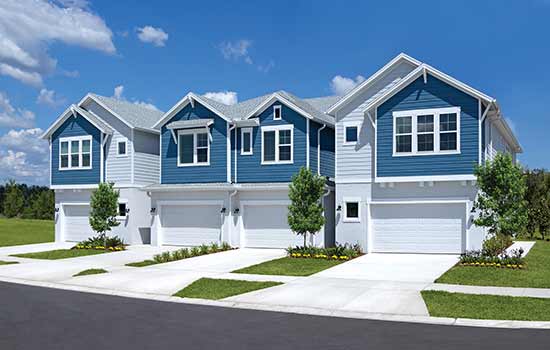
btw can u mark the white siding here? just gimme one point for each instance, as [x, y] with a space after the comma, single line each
[118, 169]
[495, 141]
[146, 158]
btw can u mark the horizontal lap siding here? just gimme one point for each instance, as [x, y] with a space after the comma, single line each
[250, 169]
[327, 152]
[146, 168]
[216, 171]
[434, 94]
[118, 169]
[78, 126]
[313, 131]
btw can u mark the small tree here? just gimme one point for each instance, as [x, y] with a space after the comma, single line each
[13, 200]
[43, 205]
[104, 209]
[500, 202]
[305, 213]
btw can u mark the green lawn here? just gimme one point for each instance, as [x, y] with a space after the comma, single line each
[535, 275]
[90, 272]
[215, 289]
[142, 263]
[290, 267]
[8, 262]
[61, 254]
[488, 307]
[20, 231]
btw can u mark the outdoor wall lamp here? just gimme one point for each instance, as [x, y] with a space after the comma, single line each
[236, 211]
[153, 210]
[223, 211]
[56, 209]
[339, 208]
[127, 210]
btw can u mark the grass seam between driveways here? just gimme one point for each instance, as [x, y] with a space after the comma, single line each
[61, 254]
[216, 289]
[289, 267]
[90, 272]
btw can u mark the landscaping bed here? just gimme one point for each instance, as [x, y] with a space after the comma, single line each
[215, 289]
[534, 274]
[19, 231]
[183, 253]
[90, 272]
[61, 254]
[488, 307]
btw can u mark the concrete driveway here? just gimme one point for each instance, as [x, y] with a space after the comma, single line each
[374, 283]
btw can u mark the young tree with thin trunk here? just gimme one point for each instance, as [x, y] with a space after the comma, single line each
[104, 209]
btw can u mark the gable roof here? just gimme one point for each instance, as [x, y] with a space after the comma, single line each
[74, 110]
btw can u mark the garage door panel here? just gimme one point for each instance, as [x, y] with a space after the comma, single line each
[266, 226]
[190, 225]
[76, 223]
[418, 228]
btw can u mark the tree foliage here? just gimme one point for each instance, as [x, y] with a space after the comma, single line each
[538, 199]
[501, 201]
[104, 208]
[13, 200]
[35, 205]
[305, 213]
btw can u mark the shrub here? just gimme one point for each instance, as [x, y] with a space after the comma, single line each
[512, 259]
[104, 243]
[214, 248]
[204, 249]
[225, 246]
[496, 245]
[341, 252]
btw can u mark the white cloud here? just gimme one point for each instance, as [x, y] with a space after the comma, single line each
[14, 117]
[155, 36]
[49, 98]
[28, 27]
[118, 93]
[225, 97]
[341, 85]
[24, 156]
[236, 50]
[25, 140]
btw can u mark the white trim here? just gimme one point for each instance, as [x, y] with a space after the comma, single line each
[50, 158]
[435, 112]
[307, 143]
[160, 158]
[347, 200]
[375, 146]
[354, 180]
[319, 149]
[96, 100]
[69, 141]
[425, 201]
[228, 130]
[125, 148]
[439, 178]
[193, 132]
[351, 124]
[101, 157]
[73, 110]
[354, 92]
[275, 109]
[266, 202]
[277, 129]
[73, 187]
[251, 151]
[132, 154]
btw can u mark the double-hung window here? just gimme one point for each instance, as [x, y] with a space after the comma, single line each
[246, 141]
[426, 132]
[193, 147]
[75, 153]
[277, 144]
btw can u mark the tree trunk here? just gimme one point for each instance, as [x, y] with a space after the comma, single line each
[305, 237]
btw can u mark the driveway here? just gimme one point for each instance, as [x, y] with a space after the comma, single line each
[374, 283]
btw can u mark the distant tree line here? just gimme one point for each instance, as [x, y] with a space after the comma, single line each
[538, 203]
[28, 202]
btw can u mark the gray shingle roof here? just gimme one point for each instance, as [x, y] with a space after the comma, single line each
[136, 115]
[323, 103]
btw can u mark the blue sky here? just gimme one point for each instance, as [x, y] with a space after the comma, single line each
[498, 47]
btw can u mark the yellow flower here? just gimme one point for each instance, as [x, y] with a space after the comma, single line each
[508, 265]
[298, 254]
[520, 266]
[335, 256]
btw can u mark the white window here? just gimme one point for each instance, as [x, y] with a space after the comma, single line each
[277, 112]
[193, 147]
[75, 153]
[351, 133]
[426, 132]
[352, 210]
[246, 141]
[121, 148]
[277, 144]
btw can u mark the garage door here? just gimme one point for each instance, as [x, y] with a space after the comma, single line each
[190, 225]
[76, 224]
[266, 226]
[418, 228]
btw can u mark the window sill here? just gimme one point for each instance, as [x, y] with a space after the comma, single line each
[65, 169]
[192, 165]
[441, 153]
[353, 220]
[247, 154]
[350, 143]
[278, 163]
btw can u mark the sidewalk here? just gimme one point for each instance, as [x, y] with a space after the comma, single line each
[504, 291]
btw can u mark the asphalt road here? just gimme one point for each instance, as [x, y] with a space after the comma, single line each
[42, 318]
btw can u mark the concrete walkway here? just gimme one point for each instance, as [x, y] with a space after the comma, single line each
[525, 245]
[505, 291]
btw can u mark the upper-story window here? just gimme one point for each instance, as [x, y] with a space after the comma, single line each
[277, 112]
[121, 149]
[75, 153]
[193, 147]
[277, 144]
[351, 133]
[426, 131]
[246, 141]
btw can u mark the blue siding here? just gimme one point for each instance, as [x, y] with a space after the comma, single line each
[418, 95]
[327, 152]
[250, 168]
[313, 130]
[78, 126]
[216, 171]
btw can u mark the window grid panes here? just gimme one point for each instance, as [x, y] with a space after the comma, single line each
[75, 153]
[448, 132]
[403, 135]
[425, 133]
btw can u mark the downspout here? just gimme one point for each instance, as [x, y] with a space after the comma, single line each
[327, 192]
[230, 229]
[319, 149]
[231, 128]
[235, 170]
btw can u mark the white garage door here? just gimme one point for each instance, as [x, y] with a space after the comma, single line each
[418, 228]
[266, 226]
[190, 225]
[76, 226]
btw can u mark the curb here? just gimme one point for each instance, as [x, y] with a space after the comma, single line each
[292, 309]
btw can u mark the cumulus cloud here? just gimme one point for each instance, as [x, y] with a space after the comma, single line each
[49, 98]
[24, 156]
[225, 97]
[118, 93]
[236, 50]
[152, 35]
[25, 139]
[14, 117]
[28, 27]
[341, 85]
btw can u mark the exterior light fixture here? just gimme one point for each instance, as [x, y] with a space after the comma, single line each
[153, 210]
[223, 210]
[236, 211]
[339, 208]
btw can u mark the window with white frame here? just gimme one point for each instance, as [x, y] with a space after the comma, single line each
[75, 153]
[352, 210]
[426, 131]
[122, 209]
[246, 141]
[121, 148]
[277, 112]
[277, 144]
[351, 133]
[193, 147]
